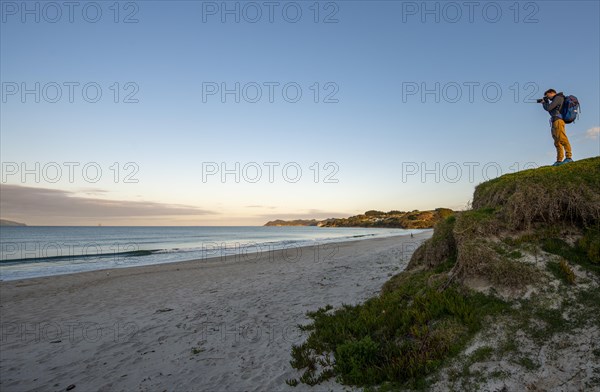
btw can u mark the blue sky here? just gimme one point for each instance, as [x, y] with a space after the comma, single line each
[374, 136]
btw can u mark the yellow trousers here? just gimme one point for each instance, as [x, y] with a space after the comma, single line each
[560, 140]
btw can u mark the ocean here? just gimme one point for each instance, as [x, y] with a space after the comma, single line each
[35, 251]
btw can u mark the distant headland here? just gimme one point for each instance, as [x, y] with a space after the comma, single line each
[6, 222]
[393, 219]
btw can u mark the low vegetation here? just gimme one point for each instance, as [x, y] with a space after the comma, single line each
[516, 276]
[392, 219]
[400, 335]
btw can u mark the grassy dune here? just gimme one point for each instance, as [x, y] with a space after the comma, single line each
[501, 296]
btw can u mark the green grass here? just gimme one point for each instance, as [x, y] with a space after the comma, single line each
[527, 363]
[500, 374]
[587, 303]
[508, 346]
[576, 254]
[547, 194]
[463, 378]
[585, 252]
[481, 354]
[400, 336]
[539, 322]
[515, 254]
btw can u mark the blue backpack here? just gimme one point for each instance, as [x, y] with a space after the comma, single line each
[570, 109]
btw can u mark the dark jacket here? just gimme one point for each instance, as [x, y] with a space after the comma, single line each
[553, 106]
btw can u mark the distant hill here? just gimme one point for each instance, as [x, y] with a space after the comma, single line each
[6, 222]
[392, 219]
[297, 222]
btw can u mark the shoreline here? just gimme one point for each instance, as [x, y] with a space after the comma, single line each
[209, 325]
[214, 261]
[128, 259]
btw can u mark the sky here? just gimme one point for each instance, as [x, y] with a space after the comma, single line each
[238, 112]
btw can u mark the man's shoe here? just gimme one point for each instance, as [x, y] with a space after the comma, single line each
[567, 160]
[557, 163]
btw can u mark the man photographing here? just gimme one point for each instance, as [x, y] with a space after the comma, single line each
[552, 103]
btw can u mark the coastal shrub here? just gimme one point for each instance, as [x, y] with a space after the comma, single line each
[399, 336]
[355, 361]
[374, 213]
[373, 218]
[439, 248]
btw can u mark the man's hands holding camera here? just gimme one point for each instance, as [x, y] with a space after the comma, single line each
[545, 99]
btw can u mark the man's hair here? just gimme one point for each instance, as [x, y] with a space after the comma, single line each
[550, 90]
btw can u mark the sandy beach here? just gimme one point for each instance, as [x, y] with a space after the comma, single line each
[223, 324]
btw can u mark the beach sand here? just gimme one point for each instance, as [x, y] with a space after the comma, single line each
[223, 324]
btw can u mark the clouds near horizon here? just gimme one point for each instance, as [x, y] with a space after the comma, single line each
[21, 202]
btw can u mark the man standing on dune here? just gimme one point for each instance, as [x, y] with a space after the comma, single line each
[552, 103]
